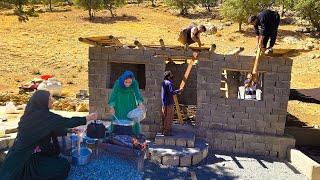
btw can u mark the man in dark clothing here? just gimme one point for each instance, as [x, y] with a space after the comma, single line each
[266, 27]
[191, 35]
[167, 92]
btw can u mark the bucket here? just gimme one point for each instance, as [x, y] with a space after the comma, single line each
[74, 141]
[258, 94]
[241, 92]
[81, 158]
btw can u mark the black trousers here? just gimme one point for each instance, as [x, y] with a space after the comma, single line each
[273, 32]
[272, 37]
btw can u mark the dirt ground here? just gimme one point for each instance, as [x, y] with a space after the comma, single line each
[49, 44]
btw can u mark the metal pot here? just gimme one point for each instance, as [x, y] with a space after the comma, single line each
[81, 158]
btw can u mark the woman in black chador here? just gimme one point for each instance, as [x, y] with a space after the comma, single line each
[35, 152]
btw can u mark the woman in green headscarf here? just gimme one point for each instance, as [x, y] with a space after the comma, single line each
[126, 96]
[34, 154]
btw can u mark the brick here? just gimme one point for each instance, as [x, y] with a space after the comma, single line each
[196, 158]
[159, 141]
[190, 143]
[258, 146]
[284, 69]
[181, 142]
[170, 160]
[239, 145]
[170, 141]
[243, 128]
[185, 160]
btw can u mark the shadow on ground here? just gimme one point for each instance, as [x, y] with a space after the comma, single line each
[292, 120]
[305, 95]
[111, 20]
[208, 168]
[201, 171]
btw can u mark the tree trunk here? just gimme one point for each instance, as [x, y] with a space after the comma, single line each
[50, 5]
[240, 26]
[282, 10]
[110, 9]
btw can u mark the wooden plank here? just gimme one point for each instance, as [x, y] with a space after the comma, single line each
[237, 51]
[189, 68]
[182, 84]
[256, 61]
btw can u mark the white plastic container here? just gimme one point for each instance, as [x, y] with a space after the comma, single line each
[52, 85]
[241, 92]
[11, 108]
[258, 94]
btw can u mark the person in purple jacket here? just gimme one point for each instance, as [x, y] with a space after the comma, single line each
[167, 92]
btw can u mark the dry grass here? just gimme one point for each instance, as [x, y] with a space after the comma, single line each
[49, 44]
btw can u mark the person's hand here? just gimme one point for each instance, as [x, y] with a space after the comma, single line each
[180, 91]
[112, 111]
[141, 106]
[92, 116]
[74, 130]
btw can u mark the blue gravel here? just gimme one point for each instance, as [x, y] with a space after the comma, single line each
[106, 167]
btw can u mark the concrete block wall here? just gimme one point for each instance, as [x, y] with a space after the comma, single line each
[222, 120]
[99, 79]
[253, 127]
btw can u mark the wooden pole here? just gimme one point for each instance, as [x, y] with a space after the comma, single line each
[256, 62]
[162, 44]
[138, 44]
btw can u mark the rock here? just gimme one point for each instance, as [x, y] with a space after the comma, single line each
[211, 29]
[309, 46]
[82, 107]
[288, 20]
[300, 29]
[290, 39]
[227, 23]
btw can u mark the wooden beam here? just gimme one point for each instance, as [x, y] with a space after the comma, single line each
[162, 44]
[189, 68]
[237, 51]
[256, 62]
[213, 48]
[138, 44]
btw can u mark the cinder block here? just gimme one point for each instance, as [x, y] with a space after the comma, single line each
[196, 158]
[181, 142]
[170, 160]
[159, 141]
[169, 141]
[190, 143]
[185, 160]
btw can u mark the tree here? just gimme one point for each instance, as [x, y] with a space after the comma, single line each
[90, 5]
[239, 10]
[51, 2]
[111, 5]
[309, 10]
[208, 3]
[182, 5]
[285, 5]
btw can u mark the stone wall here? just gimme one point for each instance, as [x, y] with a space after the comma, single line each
[100, 73]
[255, 127]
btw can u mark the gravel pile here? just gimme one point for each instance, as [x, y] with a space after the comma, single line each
[106, 167]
